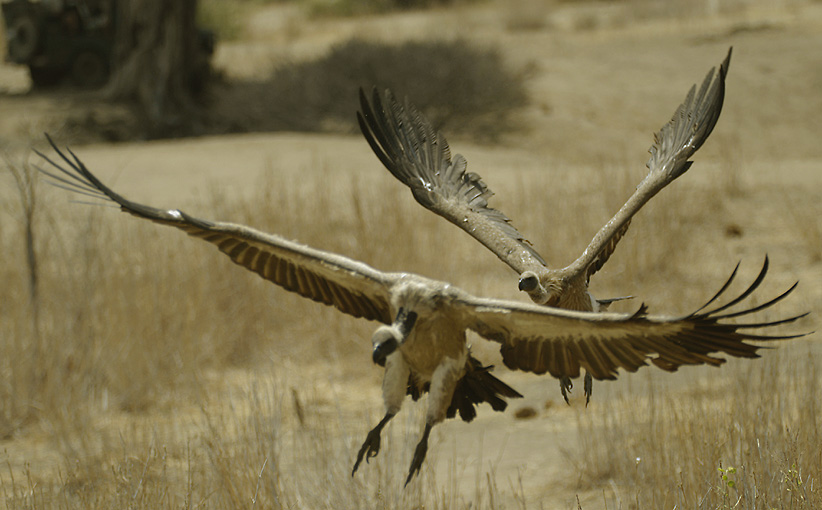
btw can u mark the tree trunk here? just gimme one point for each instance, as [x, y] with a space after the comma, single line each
[155, 54]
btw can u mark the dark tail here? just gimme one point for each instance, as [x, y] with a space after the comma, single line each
[475, 387]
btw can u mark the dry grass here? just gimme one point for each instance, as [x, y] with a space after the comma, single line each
[759, 424]
[163, 376]
[159, 375]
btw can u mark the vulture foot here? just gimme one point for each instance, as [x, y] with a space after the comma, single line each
[588, 387]
[371, 445]
[565, 386]
[419, 454]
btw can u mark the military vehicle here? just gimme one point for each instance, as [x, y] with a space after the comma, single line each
[71, 40]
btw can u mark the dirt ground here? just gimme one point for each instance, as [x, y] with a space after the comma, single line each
[602, 79]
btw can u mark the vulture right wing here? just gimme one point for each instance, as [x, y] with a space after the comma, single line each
[352, 287]
[678, 140]
[419, 157]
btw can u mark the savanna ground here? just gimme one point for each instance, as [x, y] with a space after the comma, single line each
[158, 374]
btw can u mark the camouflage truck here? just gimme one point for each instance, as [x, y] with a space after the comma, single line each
[71, 40]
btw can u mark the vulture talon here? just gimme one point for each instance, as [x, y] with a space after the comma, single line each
[419, 454]
[588, 387]
[565, 386]
[371, 446]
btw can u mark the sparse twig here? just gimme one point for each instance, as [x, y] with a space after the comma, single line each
[26, 182]
[257, 488]
[145, 469]
[298, 407]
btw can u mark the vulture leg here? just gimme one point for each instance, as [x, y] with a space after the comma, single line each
[419, 453]
[441, 392]
[394, 386]
[371, 445]
[565, 386]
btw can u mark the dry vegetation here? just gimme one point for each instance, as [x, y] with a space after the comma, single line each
[466, 89]
[162, 376]
[159, 375]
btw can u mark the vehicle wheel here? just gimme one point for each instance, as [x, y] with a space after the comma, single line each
[23, 38]
[89, 69]
[45, 76]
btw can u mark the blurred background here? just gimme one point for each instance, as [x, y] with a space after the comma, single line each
[141, 369]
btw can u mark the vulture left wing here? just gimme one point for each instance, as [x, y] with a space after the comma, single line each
[541, 339]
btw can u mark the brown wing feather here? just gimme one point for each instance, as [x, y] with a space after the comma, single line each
[605, 253]
[419, 157]
[350, 286]
[678, 140]
[558, 342]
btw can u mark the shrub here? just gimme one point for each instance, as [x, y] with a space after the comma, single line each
[359, 7]
[460, 87]
[224, 18]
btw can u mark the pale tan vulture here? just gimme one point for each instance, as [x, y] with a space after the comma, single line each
[422, 339]
[419, 157]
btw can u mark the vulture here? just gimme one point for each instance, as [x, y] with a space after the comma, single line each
[419, 156]
[421, 341]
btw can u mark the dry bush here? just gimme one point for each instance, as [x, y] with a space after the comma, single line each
[225, 19]
[749, 440]
[360, 7]
[462, 88]
[465, 88]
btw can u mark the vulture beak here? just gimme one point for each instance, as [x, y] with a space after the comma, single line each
[383, 349]
[529, 282]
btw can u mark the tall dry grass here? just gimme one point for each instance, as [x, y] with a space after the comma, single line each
[748, 439]
[165, 377]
